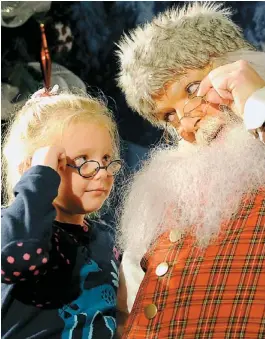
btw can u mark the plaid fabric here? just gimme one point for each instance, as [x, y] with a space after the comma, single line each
[215, 293]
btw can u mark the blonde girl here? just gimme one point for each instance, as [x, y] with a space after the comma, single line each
[59, 268]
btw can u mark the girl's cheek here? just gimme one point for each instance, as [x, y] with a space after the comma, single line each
[111, 183]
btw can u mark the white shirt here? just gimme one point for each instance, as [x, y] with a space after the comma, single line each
[254, 113]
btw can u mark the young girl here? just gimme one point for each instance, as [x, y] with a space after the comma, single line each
[59, 271]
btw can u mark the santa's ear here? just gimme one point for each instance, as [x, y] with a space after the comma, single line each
[24, 166]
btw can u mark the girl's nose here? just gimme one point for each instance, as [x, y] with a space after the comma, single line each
[102, 173]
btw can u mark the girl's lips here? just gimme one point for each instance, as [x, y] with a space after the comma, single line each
[99, 191]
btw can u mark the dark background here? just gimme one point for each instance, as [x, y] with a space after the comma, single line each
[81, 37]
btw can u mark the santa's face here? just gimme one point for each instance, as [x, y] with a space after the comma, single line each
[195, 120]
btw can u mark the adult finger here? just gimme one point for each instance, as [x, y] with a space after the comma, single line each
[205, 86]
[220, 72]
[213, 97]
[220, 83]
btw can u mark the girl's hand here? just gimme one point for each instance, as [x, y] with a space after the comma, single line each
[52, 156]
[231, 85]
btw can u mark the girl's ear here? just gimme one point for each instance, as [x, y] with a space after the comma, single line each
[24, 166]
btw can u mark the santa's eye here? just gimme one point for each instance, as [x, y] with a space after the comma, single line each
[192, 88]
[169, 117]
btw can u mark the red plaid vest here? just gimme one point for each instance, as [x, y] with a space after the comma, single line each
[216, 293]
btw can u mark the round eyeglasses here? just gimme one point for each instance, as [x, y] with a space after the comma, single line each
[189, 107]
[192, 104]
[91, 167]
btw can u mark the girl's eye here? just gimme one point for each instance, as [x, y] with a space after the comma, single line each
[192, 88]
[106, 158]
[80, 160]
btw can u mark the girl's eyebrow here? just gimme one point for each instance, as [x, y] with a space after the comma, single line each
[85, 151]
[82, 151]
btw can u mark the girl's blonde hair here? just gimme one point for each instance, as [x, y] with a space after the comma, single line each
[42, 120]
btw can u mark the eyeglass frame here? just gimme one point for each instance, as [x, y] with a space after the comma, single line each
[98, 169]
[187, 115]
[194, 96]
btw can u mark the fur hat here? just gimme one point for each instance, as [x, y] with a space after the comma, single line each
[174, 41]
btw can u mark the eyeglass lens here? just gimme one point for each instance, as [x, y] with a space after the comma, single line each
[192, 105]
[89, 169]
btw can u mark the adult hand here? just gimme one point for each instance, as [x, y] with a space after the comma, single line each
[231, 85]
[52, 156]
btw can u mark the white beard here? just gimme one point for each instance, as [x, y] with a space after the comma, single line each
[191, 188]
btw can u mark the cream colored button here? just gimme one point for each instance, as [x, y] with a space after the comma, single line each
[150, 311]
[174, 236]
[162, 269]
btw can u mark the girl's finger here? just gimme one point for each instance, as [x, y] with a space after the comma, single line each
[62, 161]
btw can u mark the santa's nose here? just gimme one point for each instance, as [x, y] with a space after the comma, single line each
[190, 125]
